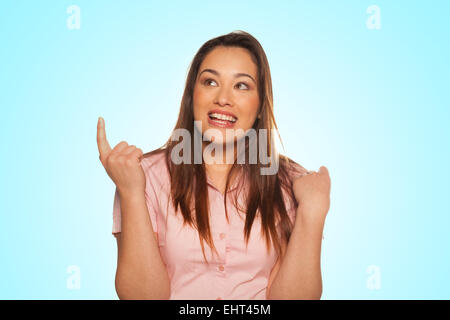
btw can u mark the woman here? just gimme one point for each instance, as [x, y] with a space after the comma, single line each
[263, 230]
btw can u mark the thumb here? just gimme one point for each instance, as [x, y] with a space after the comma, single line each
[323, 169]
[103, 146]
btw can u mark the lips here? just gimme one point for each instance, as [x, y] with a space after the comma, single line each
[221, 118]
[222, 115]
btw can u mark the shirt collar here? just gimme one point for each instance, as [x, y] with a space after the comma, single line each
[231, 187]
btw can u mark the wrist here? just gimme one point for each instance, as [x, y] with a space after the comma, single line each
[309, 229]
[310, 219]
[131, 195]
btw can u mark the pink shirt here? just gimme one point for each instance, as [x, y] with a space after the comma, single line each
[237, 273]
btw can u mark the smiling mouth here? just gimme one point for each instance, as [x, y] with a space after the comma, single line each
[222, 117]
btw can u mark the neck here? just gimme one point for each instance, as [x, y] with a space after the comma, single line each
[219, 155]
[216, 165]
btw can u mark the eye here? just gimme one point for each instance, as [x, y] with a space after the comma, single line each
[243, 83]
[207, 81]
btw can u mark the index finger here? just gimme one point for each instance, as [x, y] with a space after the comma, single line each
[103, 146]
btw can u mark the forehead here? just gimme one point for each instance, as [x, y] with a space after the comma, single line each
[230, 60]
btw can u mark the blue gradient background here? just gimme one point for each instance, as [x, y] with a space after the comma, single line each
[370, 105]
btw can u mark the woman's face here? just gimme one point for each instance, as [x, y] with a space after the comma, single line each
[226, 92]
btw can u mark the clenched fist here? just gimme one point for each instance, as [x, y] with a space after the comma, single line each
[312, 192]
[123, 163]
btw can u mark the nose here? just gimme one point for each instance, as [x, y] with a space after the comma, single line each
[224, 97]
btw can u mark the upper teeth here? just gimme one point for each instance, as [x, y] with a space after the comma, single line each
[223, 117]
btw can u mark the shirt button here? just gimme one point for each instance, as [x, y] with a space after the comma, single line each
[222, 236]
[221, 268]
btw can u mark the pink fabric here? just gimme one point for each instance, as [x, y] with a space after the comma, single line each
[237, 273]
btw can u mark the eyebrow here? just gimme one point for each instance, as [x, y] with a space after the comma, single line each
[236, 75]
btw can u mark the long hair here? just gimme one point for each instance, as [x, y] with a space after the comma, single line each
[264, 195]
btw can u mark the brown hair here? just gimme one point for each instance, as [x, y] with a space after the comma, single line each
[265, 192]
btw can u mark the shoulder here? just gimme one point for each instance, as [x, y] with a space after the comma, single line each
[291, 169]
[154, 165]
[288, 171]
[154, 159]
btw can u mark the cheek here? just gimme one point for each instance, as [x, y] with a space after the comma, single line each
[251, 107]
[196, 102]
[199, 102]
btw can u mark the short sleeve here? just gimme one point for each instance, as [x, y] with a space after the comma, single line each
[151, 200]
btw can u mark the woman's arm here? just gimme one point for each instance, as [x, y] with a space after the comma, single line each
[141, 273]
[299, 275]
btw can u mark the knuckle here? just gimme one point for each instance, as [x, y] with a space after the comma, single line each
[122, 144]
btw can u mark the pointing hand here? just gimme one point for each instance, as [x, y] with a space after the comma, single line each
[123, 163]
